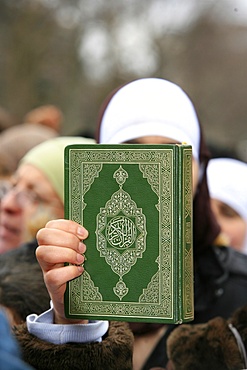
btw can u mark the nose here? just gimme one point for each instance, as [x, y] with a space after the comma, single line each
[10, 204]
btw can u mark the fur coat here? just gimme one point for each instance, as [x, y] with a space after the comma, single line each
[211, 345]
[113, 353]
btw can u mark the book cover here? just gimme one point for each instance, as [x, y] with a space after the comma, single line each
[136, 202]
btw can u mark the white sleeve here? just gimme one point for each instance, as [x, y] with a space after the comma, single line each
[42, 326]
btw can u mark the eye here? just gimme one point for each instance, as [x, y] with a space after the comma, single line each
[5, 187]
[13, 182]
[228, 211]
[34, 196]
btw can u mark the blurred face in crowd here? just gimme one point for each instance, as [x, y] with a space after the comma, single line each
[26, 207]
[233, 226]
[165, 140]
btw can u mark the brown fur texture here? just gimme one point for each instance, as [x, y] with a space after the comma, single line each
[113, 353]
[208, 346]
[22, 287]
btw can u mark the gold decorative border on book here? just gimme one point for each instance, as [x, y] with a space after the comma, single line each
[151, 304]
[188, 306]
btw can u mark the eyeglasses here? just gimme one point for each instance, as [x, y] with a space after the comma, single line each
[5, 186]
[29, 197]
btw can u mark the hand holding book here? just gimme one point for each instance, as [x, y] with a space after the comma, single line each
[61, 241]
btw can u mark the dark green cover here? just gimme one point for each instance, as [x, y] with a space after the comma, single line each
[136, 202]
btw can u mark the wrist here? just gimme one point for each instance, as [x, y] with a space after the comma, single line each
[58, 319]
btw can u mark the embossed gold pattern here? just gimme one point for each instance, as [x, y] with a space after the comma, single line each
[125, 228]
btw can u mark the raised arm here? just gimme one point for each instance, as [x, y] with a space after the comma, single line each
[59, 242]
[45, 345]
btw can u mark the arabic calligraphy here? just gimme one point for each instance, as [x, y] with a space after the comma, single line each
[121, 232]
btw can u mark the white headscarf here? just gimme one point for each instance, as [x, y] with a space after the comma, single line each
[150, 107]
[227, 182]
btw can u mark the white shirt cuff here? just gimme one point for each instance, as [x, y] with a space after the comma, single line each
[42, 327]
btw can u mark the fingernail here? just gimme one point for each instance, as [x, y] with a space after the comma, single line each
[82, 247]
[81, 231]
[80, 269]
[80, 258]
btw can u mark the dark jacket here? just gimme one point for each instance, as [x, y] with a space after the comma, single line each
[220, 283]
[113, 353]
[24, 253]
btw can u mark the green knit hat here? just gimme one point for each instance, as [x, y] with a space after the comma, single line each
[49, 158]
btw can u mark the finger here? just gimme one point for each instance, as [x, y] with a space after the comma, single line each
[60, 238]
[68, 226]
[50, 257]
[56, 279]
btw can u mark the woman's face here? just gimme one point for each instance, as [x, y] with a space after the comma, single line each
[164, 140]
[232, 224]
[27, 207]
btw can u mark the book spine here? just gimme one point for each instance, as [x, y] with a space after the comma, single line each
[186, 299]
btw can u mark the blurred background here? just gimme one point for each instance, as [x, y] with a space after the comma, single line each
[72, 53]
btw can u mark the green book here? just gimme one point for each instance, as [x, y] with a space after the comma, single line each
[136, 202]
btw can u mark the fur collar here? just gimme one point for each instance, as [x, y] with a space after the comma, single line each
[113, 353]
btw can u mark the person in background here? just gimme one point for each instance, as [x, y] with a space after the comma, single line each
[10, 354]
[227, 179]
[36, 193]
[144, 111]
[47, 115]
[16, 141]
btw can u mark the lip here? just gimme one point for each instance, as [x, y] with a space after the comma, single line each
[10, 238]
[8, 231]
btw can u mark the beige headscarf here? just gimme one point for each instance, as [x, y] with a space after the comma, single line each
[49, 158]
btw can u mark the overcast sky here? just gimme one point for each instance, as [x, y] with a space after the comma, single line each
[130, 39]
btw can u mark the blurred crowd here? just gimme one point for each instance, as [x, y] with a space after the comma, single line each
[36, 242]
